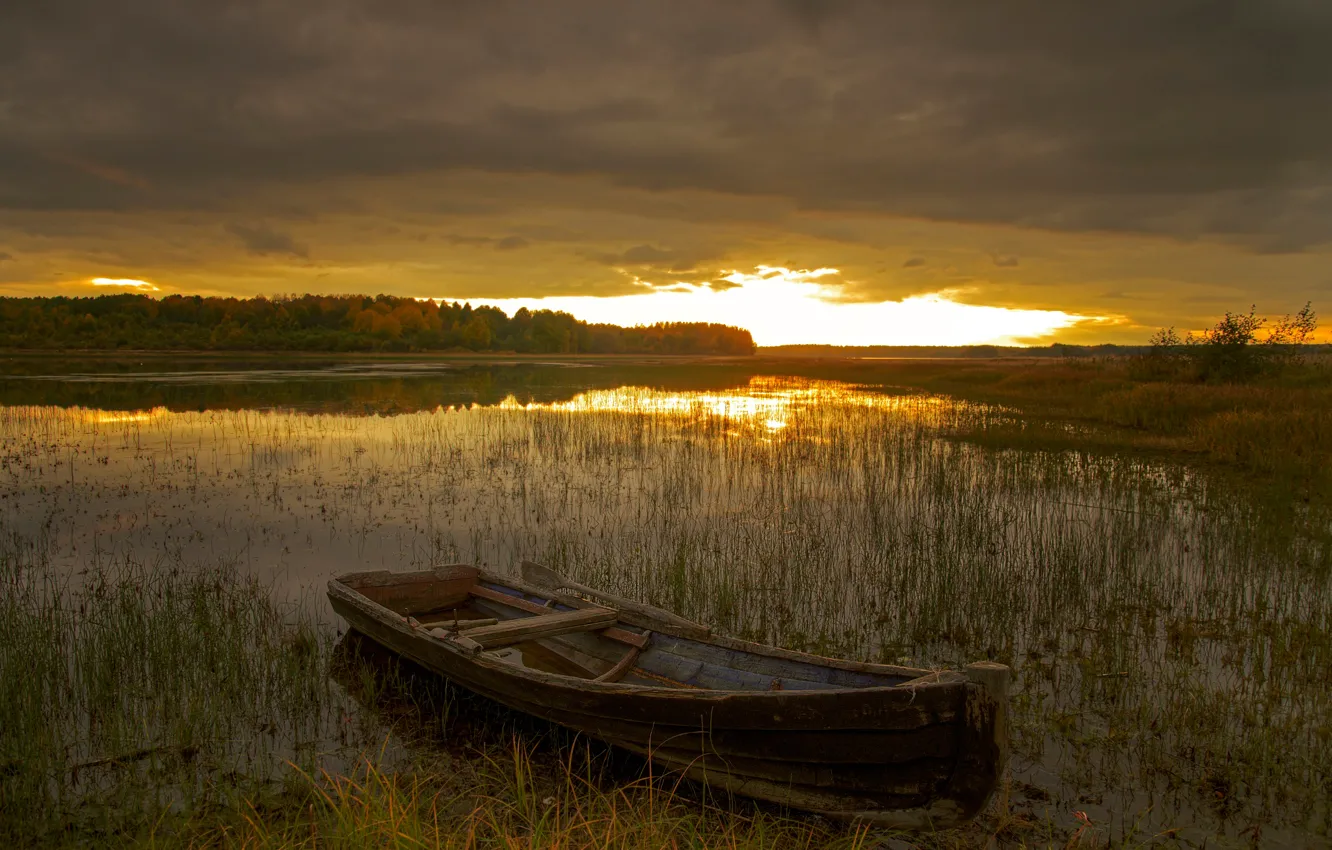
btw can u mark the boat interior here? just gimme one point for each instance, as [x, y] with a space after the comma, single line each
[558, 631]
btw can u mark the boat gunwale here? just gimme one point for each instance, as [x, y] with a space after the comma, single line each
[402, 623]
[739, 644]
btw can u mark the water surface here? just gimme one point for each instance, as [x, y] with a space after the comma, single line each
[1169, 630]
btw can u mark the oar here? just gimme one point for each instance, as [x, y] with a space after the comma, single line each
[639, 614]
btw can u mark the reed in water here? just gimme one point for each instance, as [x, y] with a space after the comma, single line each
[1170, 625]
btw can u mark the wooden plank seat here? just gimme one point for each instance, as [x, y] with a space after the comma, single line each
[452, 624]
[614, 633]
[541, 626]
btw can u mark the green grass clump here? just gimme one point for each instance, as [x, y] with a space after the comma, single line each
[132, 691]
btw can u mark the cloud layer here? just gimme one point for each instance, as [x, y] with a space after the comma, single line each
[517, 148]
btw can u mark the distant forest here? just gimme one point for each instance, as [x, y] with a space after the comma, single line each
[1057, 349]
[1054, 350]
[335, 323]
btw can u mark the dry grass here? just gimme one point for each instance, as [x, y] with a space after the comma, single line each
[1273, 426]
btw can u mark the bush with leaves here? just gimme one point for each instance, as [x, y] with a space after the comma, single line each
[1231, 350]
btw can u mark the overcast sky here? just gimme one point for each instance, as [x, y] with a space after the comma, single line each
[1149, 162]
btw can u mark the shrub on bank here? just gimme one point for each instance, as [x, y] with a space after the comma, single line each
[1231, 350]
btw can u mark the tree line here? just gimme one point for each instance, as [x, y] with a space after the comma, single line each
[336, 323]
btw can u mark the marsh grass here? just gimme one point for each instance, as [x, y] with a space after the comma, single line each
[1171, 634]
[134, 690]
[189, 771]
[1272, 426]
[487, 777]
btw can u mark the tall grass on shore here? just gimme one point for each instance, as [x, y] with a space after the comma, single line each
[511, 806]
[1273, 426]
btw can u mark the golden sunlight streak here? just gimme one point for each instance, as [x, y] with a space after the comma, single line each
[125, 282]
[766, 403]
[111, 417]
[781, 306]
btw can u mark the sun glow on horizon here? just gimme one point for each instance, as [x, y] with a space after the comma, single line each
[126, 283]
[781, 306]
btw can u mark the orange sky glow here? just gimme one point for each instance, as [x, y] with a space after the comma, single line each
[781, 306]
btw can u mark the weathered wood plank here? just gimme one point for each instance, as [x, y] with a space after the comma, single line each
[644, 615]
[513, 601]
[934, 678]
[799, 667]
[895, 672]
[844, 752]
[459, 624]
[542, 626]
[652, 623]
[871, 708]
[412, 592]
[621, 667]
[984, 741]
[383, 578]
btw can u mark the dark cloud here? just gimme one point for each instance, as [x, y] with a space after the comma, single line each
[262, 240]
[1005, 261]
[913, 262]
[673, 265]
[643, 255]
[1187, 118]
[511, 243]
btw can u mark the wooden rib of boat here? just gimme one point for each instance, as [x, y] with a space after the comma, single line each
[893, 746]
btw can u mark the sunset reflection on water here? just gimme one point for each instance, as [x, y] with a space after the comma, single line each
[112, 417]
[764, 402]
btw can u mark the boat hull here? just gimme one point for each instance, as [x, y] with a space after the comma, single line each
[924, 756]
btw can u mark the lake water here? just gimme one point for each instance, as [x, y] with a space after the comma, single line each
[1168, 628]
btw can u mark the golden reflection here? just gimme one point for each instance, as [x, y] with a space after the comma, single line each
[765, 403]
[109, 417]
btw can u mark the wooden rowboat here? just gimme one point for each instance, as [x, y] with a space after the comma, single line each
[893, 746]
